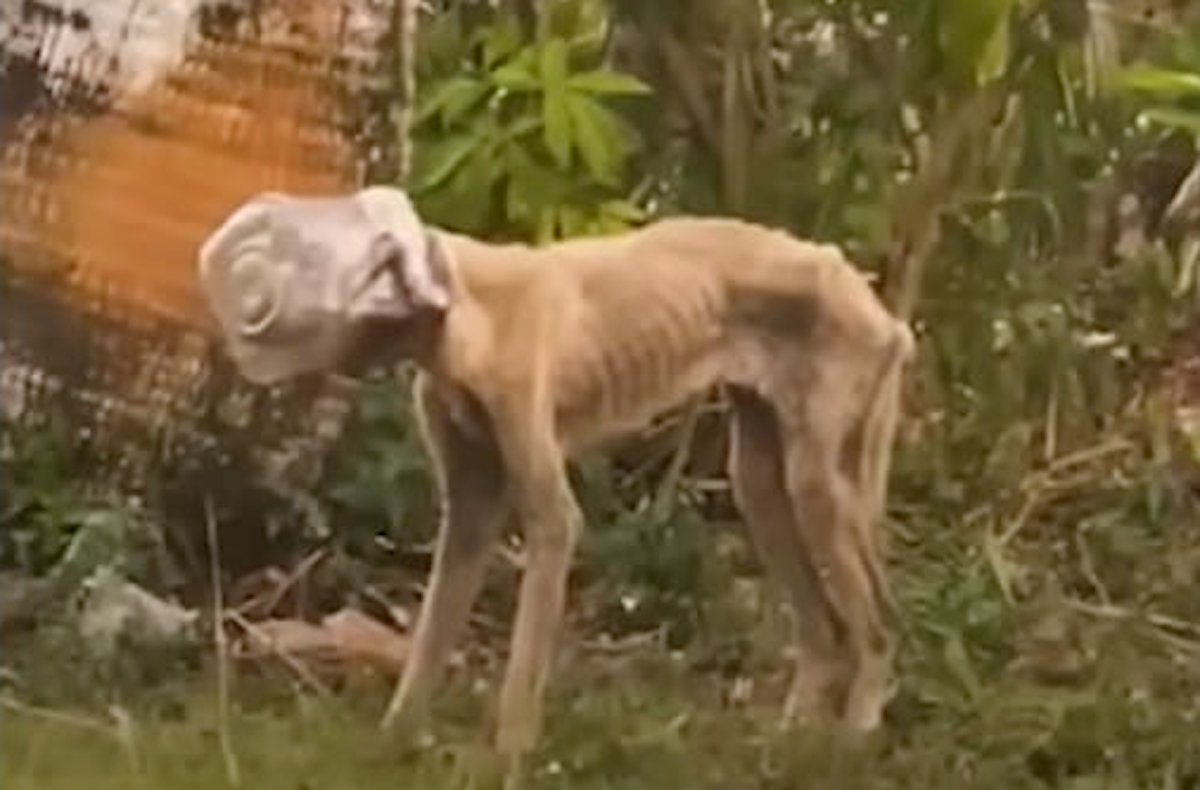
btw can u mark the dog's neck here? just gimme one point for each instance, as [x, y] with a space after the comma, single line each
[442, 342]
[486, 283]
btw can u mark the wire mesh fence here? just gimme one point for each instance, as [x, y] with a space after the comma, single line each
[129, 129]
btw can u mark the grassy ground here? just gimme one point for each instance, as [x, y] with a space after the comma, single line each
[1008, 680]
[643, 719]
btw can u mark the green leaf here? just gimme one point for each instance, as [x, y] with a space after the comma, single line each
[1165, 83]
[556, 126]
[597, 138]
[622, 211]
[1002, 569]
[499, 41]
[470, 190]
[531, 186]
[1174, 118]
[442, 159]
[590, 45]
[605, 82]
[571, 221]
[522, 126]
[516, 77]
[552, 63]
[451, 99]
[518, 200]
[615, 216]
[559, 20]
[993, 60]
[973, 37]
[959, 663]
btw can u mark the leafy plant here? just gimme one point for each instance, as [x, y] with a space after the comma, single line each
[38, 495]
[1165, 82]
[376, 484]
[524, 143]
[53, 529]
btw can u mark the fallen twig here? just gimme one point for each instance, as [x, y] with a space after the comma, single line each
[77, 720]
[1079, 457]
[348, 637]
[664, 496]
[1114, 612]
[120, 730]
[302, 569]
[399, 615]
[232, 770]
[1180, 634]
[280, 584]
[1087, 566]
[667, 731]
[292, 662]
[626, 644]
[1045, 481]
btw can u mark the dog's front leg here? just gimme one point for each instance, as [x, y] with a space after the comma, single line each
[473, 488]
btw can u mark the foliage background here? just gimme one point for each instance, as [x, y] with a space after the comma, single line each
[1002, 165]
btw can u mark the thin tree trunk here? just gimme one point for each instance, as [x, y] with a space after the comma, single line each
[404, 37]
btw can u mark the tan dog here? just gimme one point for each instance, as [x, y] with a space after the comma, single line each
[529, 355]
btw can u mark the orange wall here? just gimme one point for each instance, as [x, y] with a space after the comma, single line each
[119, 204]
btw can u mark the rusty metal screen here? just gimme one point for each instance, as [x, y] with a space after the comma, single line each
[129, 128]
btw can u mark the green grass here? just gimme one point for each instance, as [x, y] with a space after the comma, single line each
[647, 721]
[1042, 693]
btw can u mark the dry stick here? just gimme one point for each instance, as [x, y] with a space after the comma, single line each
[1179, 634]
[232, 771]
[1050, 441]
[125, 728]
[1115, 612]
[680, 65]
[626, 644]
[402, 622]
[1080, 457]
[918, 208]
[667, 731]
[121, 731]
[404, 38]
[76, 720]
[664, 496]
[1088, 568]
[673, 426]
[301, 570]
[286, 656]
[259, 599]
[1040, 483]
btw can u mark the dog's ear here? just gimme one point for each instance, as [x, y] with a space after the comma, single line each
[419, 271]
[424, 274]
[437, 258]
[404, 278]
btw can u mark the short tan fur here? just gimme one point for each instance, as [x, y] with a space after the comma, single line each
[547, 351]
